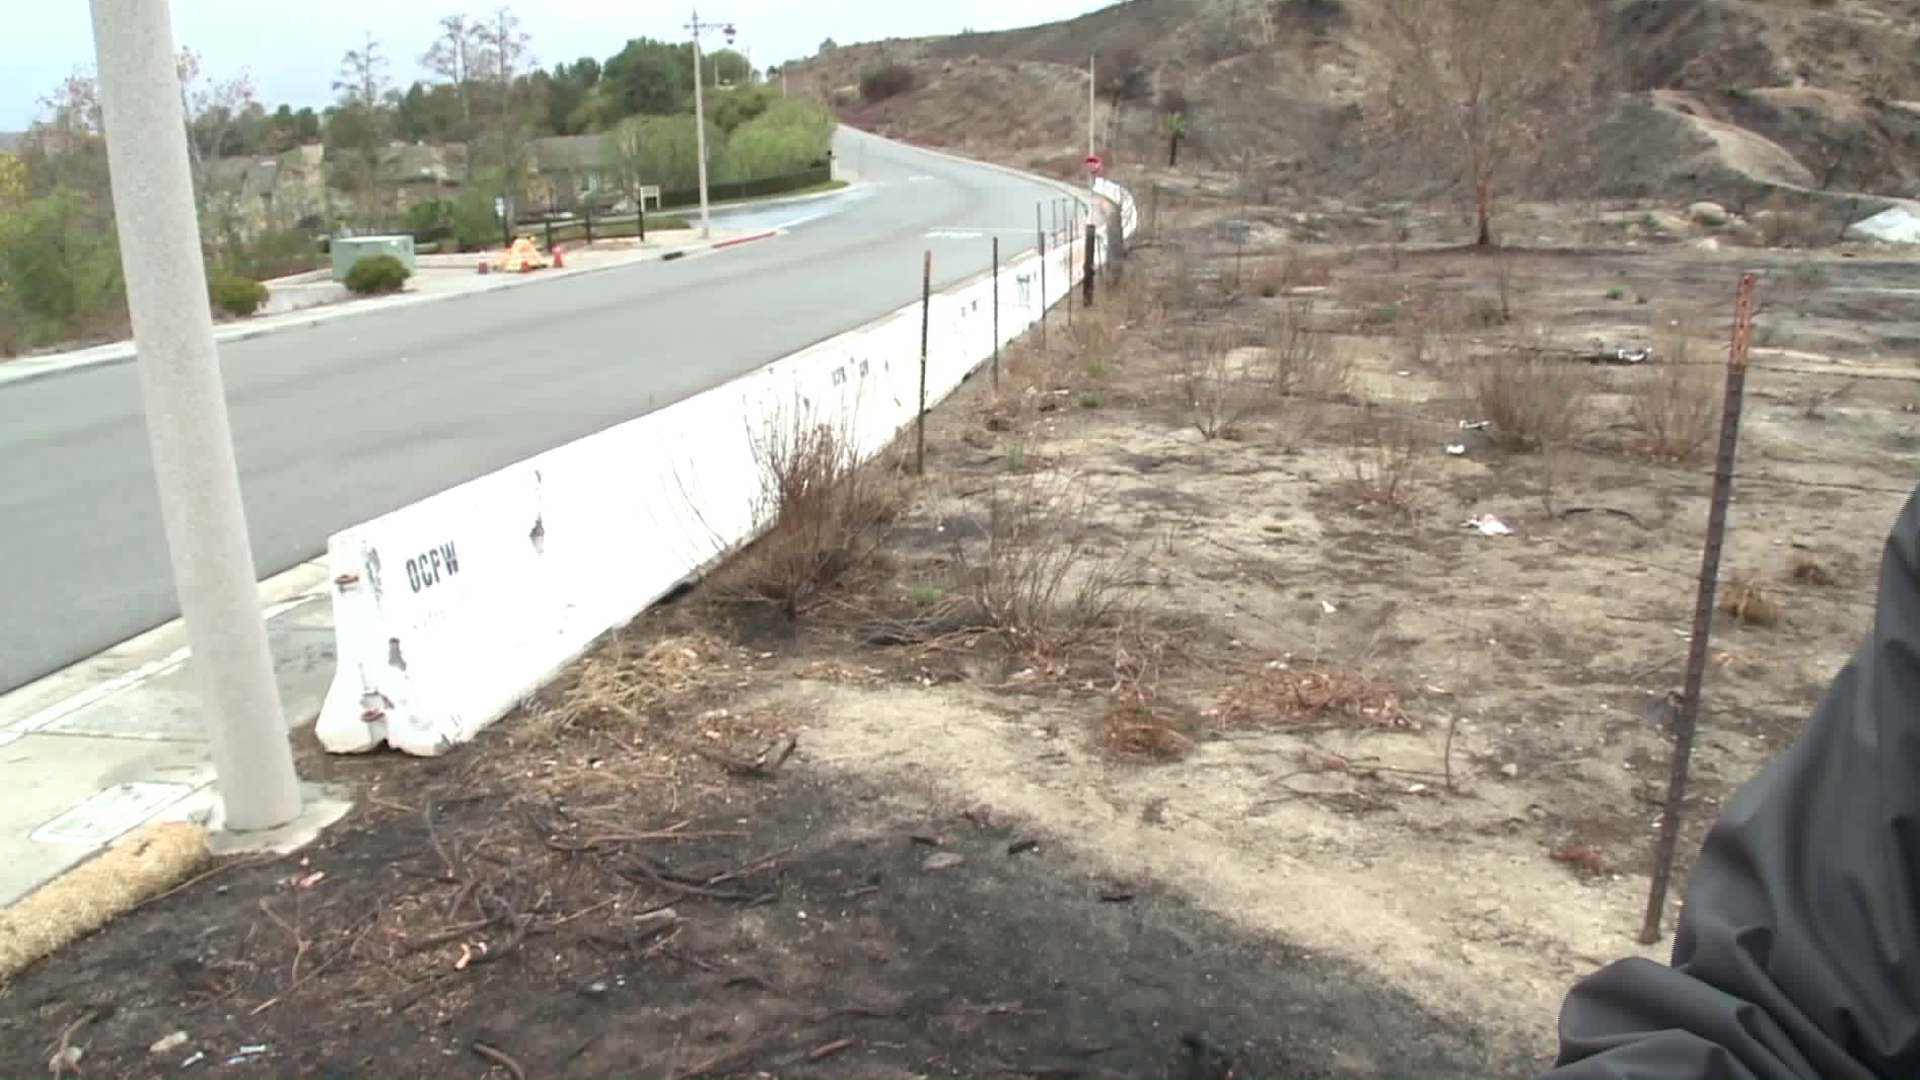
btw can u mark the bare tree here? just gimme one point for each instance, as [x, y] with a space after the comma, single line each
[363, 74]
[454, 56]
[1484, 81]
[73, 108]
[65, 144]
[211, 108]
[362, 86]
[506, 54]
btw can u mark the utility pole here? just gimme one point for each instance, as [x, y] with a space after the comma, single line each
[1091, 107]
[696, 28]
[187, 428]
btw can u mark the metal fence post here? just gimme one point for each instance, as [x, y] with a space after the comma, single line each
[1040, 231]
[1089, 268]
[996, 314]
[920, 419]
[1686, 717]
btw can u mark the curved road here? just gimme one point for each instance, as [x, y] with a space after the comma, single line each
[355, 417]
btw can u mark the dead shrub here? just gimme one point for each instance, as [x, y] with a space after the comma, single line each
[1807, 570]
[1181, 286]
[1749, 601]
[1289, 369]
[1311, 693]
[1223, 379]
[826, 512]
[1127, 298]
[1136, 726]
[1784, 225]
[623, 681]
[1584, 859]
[1038, 574]
[1274, 275]
[1387, 458]
[1533, 399]
[1094, 338]
[1675, 403]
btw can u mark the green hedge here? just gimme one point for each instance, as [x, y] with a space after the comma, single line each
[376, 275]
[772, 185]
[237, 295]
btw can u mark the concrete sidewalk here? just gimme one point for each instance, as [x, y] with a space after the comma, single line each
[114, 742]
[428, 284]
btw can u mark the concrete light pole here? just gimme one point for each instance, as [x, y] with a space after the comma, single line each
[206, 526]
[696, 28]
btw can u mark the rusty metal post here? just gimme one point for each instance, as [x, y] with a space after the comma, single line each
[1040, 231]
[996, 314]
[1088, 272]
[1067, 232]
[1686, 716]
[920, 418]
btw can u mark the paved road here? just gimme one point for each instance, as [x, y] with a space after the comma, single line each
[353, 418]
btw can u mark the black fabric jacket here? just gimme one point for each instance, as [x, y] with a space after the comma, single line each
[1798, 950]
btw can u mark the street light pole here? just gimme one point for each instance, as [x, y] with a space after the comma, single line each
[1091, 108]
[187, 428]
[696, 28]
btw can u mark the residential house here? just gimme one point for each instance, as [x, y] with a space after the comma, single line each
[290, 189]
[574, 170]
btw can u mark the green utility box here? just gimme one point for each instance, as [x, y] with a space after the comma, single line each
[348, 250]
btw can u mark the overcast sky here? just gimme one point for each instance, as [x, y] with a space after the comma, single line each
[293, 49]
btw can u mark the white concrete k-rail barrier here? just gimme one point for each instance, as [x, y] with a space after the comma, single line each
[451, 611]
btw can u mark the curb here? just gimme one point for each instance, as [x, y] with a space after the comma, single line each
[126, 352]
[744, 239]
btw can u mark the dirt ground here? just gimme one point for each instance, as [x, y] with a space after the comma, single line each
[1130, 751]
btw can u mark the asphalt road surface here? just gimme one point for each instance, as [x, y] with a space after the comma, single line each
[353, 418]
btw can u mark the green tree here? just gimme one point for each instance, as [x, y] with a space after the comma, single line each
[650, 78]
[599, 112]
[660, 150]
[735, 105]
[290, 129]
[475, 225]
[59, 260]
[723, 67]
[789, 135]
[568, 87]
[14, 182]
